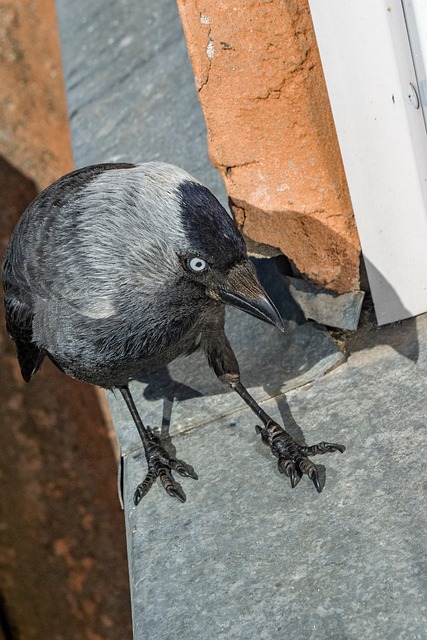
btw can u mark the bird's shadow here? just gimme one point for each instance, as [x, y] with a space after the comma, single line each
[161, 386]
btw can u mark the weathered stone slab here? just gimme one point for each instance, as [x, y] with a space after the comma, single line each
[247, 557]
[325, 306]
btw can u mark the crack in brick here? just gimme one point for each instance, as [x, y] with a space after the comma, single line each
[227, 168]
[209, 50]
[272, 92]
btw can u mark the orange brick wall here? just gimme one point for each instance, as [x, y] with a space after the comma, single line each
[271, 133]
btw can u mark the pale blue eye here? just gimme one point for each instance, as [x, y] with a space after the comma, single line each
[197, 264]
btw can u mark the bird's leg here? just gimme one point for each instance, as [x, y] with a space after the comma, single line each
[293, 458]
[160, 464]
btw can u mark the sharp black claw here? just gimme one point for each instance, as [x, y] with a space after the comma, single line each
[176, 492]
[184, 469]
[293, 477]
[143, 488]
[140, 492]
[287, 466]
[282, 465]
[315, 479]
[321, 447]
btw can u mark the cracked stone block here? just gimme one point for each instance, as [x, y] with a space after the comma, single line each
[326, 307]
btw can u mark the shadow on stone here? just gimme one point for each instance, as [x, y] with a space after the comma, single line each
[402, 336]
[160, 386]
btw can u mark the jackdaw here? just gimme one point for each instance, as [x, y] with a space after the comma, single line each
[118, 269]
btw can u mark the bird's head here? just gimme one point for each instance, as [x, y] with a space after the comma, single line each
[186, 242]
[215, 258]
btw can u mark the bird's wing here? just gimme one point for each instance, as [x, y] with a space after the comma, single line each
[19, 323]
[18, 305]
[46, 260]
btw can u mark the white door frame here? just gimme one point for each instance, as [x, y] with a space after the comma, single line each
[375, 100]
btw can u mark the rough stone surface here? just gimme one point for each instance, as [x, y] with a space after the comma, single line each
[300, 300]
[334, 310]
[247, 557]
[271, 132]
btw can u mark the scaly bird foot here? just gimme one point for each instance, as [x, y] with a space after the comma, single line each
[161, 465]
[292, 457]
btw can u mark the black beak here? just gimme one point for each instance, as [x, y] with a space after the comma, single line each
[242, 289]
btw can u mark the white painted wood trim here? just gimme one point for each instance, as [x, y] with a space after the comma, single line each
[368, 67]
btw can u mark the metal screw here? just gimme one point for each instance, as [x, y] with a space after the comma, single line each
[413, 96]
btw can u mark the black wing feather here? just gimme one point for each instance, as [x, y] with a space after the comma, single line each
[19, 323]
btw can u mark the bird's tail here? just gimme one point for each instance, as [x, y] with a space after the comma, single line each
[30, 358]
